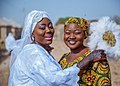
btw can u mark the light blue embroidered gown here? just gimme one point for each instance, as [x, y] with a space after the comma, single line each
[34, 66]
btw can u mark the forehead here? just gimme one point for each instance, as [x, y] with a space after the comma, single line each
[44, 21]
[72, 26]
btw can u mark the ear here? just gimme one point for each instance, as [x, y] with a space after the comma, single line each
[33, 37]
[85, 35]
[33, 34]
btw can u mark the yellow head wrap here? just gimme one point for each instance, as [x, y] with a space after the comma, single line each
[80, 21]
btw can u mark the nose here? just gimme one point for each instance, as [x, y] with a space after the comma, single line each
[72, 36]
[48, 29]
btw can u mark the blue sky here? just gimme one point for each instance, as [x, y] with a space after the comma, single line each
[89, 9]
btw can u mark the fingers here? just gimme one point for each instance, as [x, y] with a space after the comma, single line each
[99, 59]
[100, 55]
[103, 55]
[99, 51]
[96, 54]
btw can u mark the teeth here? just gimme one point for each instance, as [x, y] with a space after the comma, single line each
[72, 42]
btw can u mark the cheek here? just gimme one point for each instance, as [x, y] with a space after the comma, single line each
[81, 36]
[39, 34]
[39, 38]
[65, 37]
[80, 39]
[53, 31]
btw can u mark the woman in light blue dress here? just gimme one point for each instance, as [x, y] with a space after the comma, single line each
[31, 63]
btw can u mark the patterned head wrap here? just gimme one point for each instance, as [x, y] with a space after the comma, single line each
[84, 24]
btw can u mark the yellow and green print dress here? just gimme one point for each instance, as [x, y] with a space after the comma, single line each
[96, 74]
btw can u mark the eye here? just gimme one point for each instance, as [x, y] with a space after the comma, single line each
[67, 32]
[78, 32]
[50, 26]
[42, 28]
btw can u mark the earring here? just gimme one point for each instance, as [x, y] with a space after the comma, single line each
[33, 38]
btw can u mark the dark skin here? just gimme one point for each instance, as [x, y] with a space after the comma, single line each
[74, 37]
[43, 33]
[98, 55]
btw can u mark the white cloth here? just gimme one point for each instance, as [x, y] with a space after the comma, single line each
[34, 66]
[11, 40]
[15, 46]
[31, 64]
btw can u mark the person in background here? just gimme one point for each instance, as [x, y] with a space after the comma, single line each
[31, 62]
[97, 72]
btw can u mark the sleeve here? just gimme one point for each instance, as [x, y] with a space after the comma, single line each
[46, 74]
[10, 42]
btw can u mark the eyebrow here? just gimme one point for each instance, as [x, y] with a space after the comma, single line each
[46, 24]
[43, 24]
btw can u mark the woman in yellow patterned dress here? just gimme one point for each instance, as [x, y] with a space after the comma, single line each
[97, 73]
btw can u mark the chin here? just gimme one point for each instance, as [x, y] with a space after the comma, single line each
[72, 47]
[49, 42]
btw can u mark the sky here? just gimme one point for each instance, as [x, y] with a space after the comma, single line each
[16, 10]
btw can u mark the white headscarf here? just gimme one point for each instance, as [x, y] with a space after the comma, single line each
[15, 46]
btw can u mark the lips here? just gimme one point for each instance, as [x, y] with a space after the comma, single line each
[72, 42]
[49, 37]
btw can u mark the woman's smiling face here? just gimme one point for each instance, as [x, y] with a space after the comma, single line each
[43, 32]
[73, 36]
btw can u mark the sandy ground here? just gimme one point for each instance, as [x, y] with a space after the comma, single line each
[59, 49]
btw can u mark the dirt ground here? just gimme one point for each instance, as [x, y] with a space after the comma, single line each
[59, 49]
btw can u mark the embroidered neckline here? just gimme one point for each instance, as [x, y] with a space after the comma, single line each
[64, 63]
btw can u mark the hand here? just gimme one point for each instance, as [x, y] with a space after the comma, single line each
[96, 55]
[102, 57]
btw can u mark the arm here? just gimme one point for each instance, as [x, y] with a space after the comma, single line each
[47, 73]
[96, 55]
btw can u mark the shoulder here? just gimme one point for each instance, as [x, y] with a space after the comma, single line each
[32, 51]
[32, 48]
[29, 47]
[63, 56]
